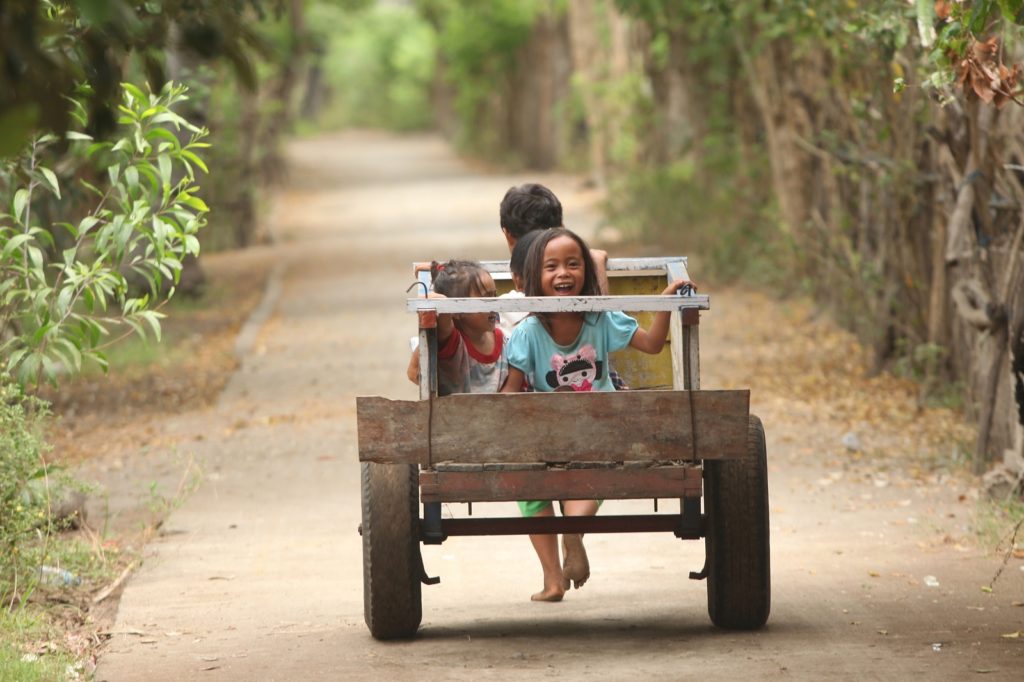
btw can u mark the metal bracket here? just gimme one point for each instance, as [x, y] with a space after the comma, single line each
[431, 531]
[424, 578]
[690, 522]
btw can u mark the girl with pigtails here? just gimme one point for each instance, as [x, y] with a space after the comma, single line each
[471, 347]
[569, 352]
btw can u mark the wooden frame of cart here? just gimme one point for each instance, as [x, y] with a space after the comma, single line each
[666, 439]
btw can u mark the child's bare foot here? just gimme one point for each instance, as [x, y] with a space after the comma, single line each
[549, 594]
[575, 567]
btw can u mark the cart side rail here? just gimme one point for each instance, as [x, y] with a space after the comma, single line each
[559, 304]
[652, 426]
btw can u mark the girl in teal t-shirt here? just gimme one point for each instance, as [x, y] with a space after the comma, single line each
[569, 352]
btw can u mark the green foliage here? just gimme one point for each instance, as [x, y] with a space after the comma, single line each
[24, 515]
[379, 65]
[63, 286]
[479, 43]
[52, 45]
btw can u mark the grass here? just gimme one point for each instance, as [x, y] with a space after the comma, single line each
[177, 339]
[25, 651]
[995, 522]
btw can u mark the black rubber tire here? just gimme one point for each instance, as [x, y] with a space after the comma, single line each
[392, 601]
[737, 546]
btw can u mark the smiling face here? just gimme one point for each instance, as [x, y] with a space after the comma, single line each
[478, 323]
[563, 270]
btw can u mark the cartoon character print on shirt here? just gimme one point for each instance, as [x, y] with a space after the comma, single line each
[575, 372]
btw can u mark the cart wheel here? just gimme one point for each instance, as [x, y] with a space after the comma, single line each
[739, 565]
[392, 565]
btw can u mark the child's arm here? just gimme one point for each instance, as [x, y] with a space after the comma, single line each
[600, 269]
[413, 371]
[514, 382]
[653, 340]
[445, 328]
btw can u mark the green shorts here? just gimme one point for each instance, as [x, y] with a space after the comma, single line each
[530, 508]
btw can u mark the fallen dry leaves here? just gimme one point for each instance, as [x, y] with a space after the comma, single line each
[803, 367]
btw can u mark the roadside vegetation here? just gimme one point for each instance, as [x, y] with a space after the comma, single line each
[865, 155]
[869, 156]
[105, 154]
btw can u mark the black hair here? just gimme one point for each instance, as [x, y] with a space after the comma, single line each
[529, 207]
[457, 278]
[534, 266]
[518, 260]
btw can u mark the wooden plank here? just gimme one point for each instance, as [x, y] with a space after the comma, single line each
[560, 484]
[638, 369]
[489, 466]
[554, 427]
[557, 304]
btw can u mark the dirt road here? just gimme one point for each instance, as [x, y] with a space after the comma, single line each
[257, 576]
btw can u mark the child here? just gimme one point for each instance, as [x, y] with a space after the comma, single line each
[569, 352]
[509, 321]
[470, 355]
[532, 206]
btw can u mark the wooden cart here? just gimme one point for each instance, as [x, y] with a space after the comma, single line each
[663, 439]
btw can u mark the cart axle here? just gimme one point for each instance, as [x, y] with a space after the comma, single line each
[547, 525]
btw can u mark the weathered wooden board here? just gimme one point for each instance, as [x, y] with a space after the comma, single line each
[554, 427]
[558, 304]
[560, 484]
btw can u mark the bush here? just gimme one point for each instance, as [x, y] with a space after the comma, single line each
[24, 512]
[64, 276]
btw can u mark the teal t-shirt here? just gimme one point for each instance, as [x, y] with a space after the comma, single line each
[580, 366]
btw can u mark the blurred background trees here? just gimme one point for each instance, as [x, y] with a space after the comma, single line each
[870, 154]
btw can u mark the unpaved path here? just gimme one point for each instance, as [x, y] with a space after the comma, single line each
[257, 576]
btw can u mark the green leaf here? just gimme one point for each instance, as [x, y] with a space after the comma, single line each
[13, 243]
[101, 360]
[72, 353]
[133, 92]
[165, 135]
[146, 170]
[43, 330]
[14, 359]
[136, 327]
[164, 162]
[131, 176]
[195, 202]
[72, 230]
[35, 256]
[51, 180]
[153, 319]
[76, 136]
[20, 201]
[64, 299]
[87, 223]
[194, 159]
[91, 187]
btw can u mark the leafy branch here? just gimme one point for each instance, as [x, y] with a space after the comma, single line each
[63, 286]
